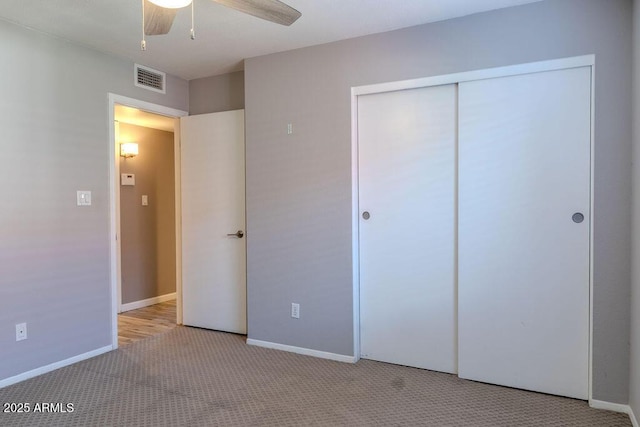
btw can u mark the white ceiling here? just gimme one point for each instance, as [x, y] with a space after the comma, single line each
[224, 37]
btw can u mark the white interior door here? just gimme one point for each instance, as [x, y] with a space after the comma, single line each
[213, 209]
[406, 143]
[524, 171]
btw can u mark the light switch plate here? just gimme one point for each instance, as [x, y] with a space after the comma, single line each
[83, 198]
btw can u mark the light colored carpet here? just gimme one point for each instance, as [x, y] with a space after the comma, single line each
[194, 377]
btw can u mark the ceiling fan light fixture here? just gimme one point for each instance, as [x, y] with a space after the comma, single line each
[158, 15]
[171, 4]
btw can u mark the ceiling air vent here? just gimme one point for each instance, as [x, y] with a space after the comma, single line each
[149, 78]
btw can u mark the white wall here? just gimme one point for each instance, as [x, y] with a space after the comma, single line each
[54, 256]
[634, 386]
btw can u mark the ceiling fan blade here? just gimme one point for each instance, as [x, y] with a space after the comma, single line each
[157, 20]
[270, 10]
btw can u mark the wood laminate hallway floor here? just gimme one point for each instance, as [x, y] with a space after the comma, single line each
[146, 322]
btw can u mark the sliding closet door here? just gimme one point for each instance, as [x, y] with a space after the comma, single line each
[406, 142]
[524, 177]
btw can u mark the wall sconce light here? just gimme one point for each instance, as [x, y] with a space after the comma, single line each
[171, 4]
[128, 149]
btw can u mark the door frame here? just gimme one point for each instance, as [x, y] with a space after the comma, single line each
[115, 254]
[512, 70]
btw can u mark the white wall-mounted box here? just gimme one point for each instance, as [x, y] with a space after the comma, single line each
[128, 179]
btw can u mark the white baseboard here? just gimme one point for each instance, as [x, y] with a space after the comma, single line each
[304, 351]
[615, 407]
[53, 366]
[634, 420]
[146, 302]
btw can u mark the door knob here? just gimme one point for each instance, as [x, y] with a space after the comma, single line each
[237, 234]
[577, 217]
[366, 215]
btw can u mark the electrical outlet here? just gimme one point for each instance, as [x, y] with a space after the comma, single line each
[295, 310]
[21, 331]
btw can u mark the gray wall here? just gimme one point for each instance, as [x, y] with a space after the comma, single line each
[148, 244]
[217, 93]
[299, 186]
[634, 389]
[54, 255]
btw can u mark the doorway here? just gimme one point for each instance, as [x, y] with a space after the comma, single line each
[140, 112]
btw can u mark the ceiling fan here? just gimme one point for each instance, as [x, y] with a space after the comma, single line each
[158, 15]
